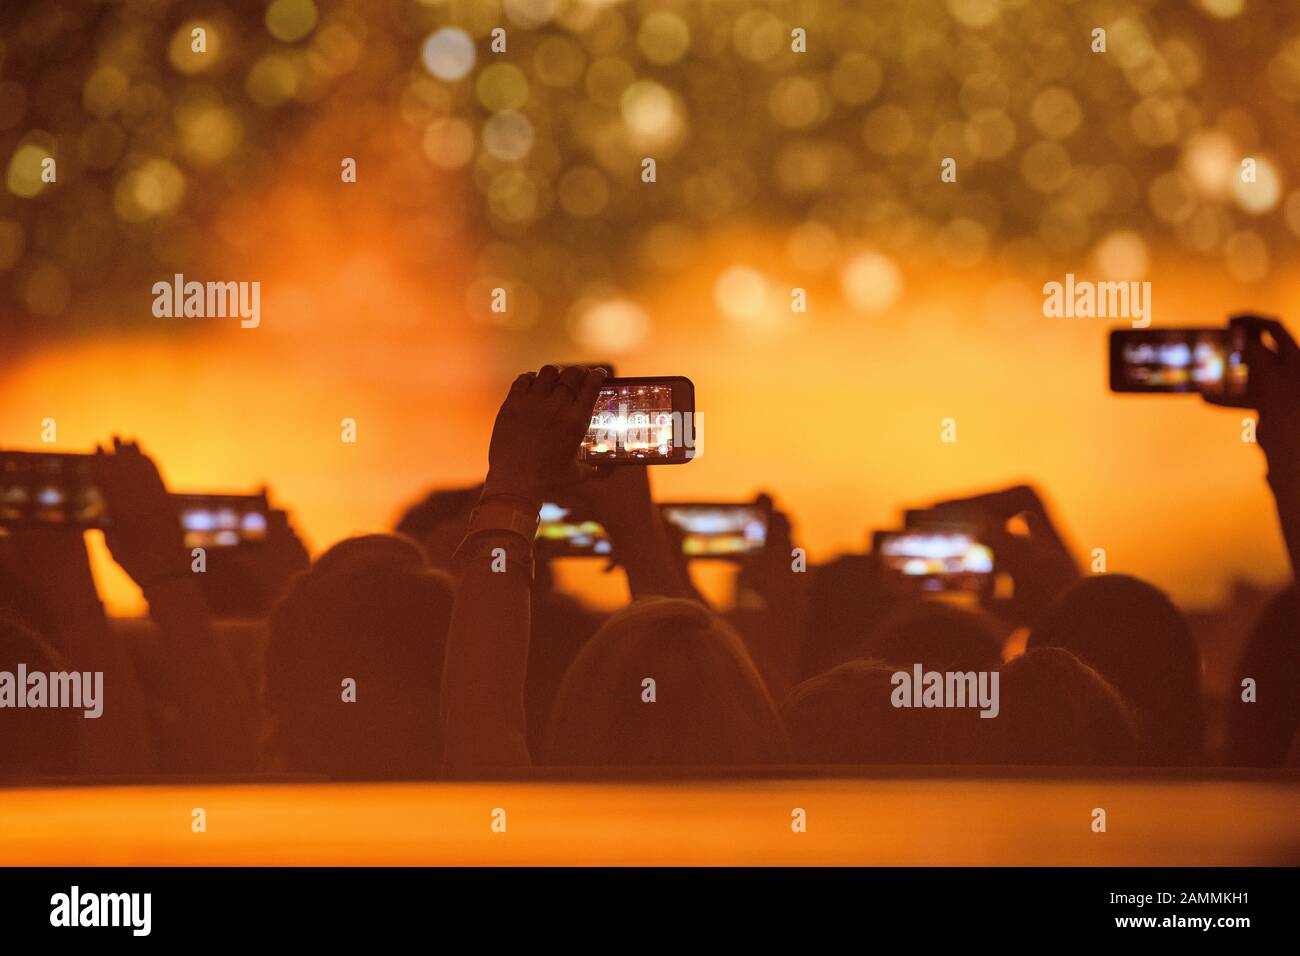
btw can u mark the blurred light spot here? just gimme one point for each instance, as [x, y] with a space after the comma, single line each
[508, 136]
[272, 80]
[870, 281]
[1129, 42]
[180, 51]
[663, 38]
[740, 292]
[1056, 112]
[290, 20]
[1264, 193]
[105, 91]
[502, 86]
[448, 54]
[1154, 120]
[583, 191]
[154, 189]
[651, 113]
[1246, 257]
[529, 14]
[209, 132]
[759, 35]
[338, 47]
[24, 176]
[1121, 255]
[1211, 160]
[1223, 9]
[610, 326]
[448, 143]
[513, 196]
[1045, 166]
[423, 101]
[974, 13]
[798, 102]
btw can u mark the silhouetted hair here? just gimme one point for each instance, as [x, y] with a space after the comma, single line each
[1140, 642]
[439, 521]
[372, 610]
[36, 742]
[1053, 710]
[1261, 731]
[846, 716]
[710, 704]
[846, 602]
[940, 636]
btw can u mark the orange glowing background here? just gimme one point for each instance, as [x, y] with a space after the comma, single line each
[839, 417]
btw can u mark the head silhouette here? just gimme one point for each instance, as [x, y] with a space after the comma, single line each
[1053, 710]
[845, 716]
[368, 622]
[940, 636]
[1260, 731]
[36, 741]
[1135, 637]
[709, 704]
[439, 521]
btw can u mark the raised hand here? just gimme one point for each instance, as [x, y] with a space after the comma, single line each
[538, 429]
[144, 535]
[1274, 387]
[1039, 563]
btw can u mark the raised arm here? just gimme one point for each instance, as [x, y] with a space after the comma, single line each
[618, 496]
[145, 539]
[534, 447]
[1275, 392]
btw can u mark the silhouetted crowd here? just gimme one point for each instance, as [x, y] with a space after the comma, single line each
[446, 649]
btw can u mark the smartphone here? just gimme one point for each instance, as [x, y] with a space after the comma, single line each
[719, 529]
[936, 559]
[1210, 362]
[50, 488]
[642, 421]
[222, 521]
[563, 534]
